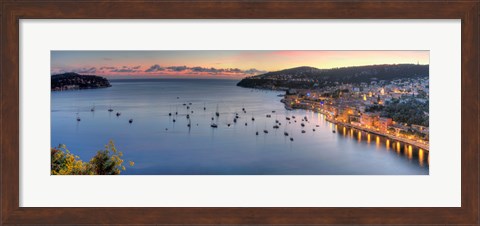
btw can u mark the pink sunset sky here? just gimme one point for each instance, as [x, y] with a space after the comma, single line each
[233, 64]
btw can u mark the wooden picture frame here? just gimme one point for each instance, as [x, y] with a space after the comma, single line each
[12, 11]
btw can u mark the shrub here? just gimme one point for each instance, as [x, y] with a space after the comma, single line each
[106, 162]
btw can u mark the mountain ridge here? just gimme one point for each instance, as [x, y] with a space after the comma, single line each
[309, 77]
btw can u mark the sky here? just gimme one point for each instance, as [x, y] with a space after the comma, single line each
[233, 64]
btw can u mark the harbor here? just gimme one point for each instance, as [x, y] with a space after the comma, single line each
[252, 133]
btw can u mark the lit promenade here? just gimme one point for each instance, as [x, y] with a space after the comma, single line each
[408, 141]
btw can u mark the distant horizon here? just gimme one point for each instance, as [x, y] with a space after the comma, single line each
[180, 76]
[209, 64]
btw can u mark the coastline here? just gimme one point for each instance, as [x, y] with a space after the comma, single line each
[75, 89]
[424, 147]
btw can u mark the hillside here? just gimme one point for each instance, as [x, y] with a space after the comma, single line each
[73, 81]
[308, 77]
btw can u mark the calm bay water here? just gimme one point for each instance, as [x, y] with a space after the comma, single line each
[160, 146]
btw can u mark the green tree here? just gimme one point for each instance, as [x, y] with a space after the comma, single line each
[106, 162]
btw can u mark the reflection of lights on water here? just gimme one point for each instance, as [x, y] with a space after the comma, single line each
[410, 152]
[407, 148]
[420, 157]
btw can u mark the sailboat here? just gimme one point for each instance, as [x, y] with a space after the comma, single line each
[217, 113]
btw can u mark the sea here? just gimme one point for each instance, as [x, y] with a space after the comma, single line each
[163, 144]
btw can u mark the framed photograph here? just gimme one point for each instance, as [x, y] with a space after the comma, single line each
[268, 112]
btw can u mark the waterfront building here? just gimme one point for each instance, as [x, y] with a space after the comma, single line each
[384, 123]
[369, 120]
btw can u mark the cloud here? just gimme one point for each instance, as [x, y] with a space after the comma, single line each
[125, 69]
[203, 70]
[107, 68]
[155, 68]
[209, 70]
[253, 71]
[177, 68]
[91, 70]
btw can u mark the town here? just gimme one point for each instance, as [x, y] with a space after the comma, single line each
[396, 109]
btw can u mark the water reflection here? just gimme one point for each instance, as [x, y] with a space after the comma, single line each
[401, 149]
[163, 144]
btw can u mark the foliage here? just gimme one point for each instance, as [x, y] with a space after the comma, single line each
[61, 81]
[106, 162]
[309, 77]
[408, 111]
[65, 163]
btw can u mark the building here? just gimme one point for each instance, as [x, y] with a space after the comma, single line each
[421, 129]
[384, 123]
[369, 120]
